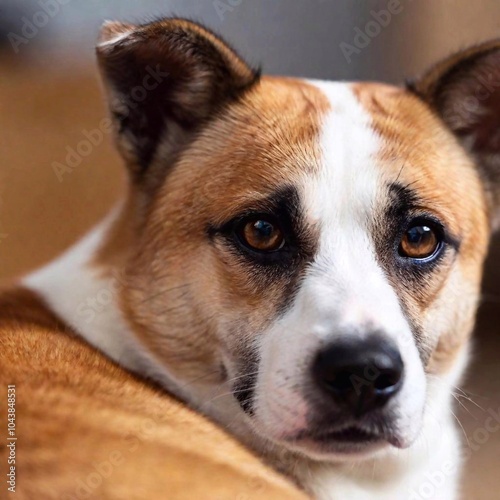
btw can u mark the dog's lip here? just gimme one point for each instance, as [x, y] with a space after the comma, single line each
[351, 434]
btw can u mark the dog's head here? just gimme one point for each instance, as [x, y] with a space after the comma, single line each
[315, 249]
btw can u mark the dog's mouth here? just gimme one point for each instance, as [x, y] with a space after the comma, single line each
[353, 434]
[350, 440]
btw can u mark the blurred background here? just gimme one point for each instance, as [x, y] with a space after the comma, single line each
[50, 103]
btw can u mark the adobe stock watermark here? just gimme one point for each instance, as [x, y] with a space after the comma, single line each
[34, 24]
[3, 235]
[11, 439]
[95, 137]
[75, 155]
[470, 106]
[86, 486]
[222, 7]
[91, 307]
[435, 480]
[363, 36]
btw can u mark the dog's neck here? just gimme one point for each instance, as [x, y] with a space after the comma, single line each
[82, 287]
[84, 294]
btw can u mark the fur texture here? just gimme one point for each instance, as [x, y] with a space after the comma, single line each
[345, 171]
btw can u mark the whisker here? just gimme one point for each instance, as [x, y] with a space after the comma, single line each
[463, 429]
[230, 393]
[249, 374]
[466, 396]
[400, 172]
[197, 379]
[463, 406]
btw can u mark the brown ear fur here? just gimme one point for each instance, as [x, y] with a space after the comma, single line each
[165, 79]
[464, 90]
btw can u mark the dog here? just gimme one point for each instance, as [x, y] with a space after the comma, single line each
[298, 260]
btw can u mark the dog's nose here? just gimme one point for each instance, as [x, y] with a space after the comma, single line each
[360, 375]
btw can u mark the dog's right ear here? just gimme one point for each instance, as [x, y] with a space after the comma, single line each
[164, 80]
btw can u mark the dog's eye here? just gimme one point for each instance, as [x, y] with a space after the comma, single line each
[420, 241]
[260, 234]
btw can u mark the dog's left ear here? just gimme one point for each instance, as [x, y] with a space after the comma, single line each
[465, 91]
[164, 80]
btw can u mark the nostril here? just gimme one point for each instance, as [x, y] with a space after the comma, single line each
[341, 381]
[388, 379]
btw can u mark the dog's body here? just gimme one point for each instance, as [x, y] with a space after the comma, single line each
[86, 428]
[295, 259]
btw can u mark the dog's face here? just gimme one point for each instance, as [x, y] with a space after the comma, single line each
[314, 249]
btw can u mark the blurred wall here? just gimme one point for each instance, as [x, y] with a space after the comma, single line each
[295, 37]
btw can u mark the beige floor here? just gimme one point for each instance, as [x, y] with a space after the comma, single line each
[43, 112]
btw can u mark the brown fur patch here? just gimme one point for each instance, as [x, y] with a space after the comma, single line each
[421, 154]
[178, 280]
[464, 90]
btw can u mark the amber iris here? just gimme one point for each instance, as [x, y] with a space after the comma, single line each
[262, 235]
[419, 242]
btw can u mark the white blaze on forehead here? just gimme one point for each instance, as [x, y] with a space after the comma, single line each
[343, 200]
[349, 178]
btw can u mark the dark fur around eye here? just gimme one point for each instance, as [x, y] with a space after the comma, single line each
[403, 213]
[281, 209]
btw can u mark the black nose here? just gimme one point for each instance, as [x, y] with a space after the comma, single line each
[361, 375]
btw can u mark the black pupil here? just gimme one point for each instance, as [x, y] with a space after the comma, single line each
[263, 228]
[418, 235]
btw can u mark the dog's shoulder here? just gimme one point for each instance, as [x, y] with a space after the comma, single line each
[86, 427]
[18, 305]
